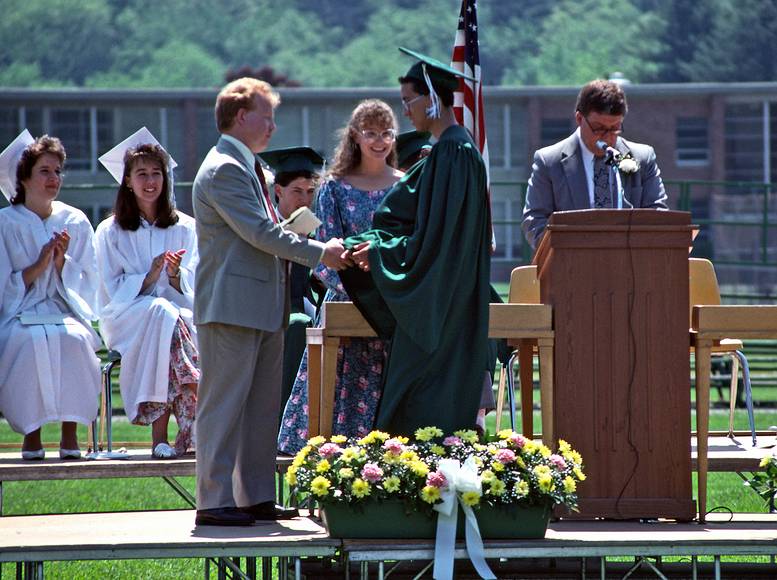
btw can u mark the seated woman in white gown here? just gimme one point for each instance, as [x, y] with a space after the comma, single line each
[147, 253]
[48, 281]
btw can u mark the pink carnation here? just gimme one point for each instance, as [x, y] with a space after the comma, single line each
[394, 446]
[451, 440]
[518, 440]
[558, 462]
[505, 456]
[329, 450]
[371, 472]
[436, 479]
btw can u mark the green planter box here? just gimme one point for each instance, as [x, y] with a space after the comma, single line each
[391, 520]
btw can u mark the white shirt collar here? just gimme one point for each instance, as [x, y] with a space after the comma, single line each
[247, 154]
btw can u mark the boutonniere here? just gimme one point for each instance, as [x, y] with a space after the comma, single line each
[627, 164]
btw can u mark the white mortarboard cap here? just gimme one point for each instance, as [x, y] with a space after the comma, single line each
[9, 160]
[113, 160]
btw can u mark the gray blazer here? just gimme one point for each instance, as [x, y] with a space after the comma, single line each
[241, 276]
[558, 183]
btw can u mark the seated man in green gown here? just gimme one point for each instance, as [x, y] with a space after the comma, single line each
[297, 174]
[424, 270]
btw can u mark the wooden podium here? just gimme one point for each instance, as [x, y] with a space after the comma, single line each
[618, 284]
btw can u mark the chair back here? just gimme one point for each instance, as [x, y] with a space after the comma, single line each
[702, 283]
[524, 285]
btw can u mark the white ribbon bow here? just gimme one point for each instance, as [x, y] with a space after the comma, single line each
[460, 479]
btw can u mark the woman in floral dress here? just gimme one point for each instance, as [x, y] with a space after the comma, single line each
[361, 175]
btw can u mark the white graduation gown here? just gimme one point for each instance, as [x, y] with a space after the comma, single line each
[140, 326]
[48, 372]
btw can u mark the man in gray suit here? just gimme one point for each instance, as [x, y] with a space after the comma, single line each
[573, 173]
[241, 307]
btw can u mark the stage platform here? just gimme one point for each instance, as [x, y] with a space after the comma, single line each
[300, 543]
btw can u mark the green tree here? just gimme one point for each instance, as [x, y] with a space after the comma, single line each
[54, 42]
[585, 39]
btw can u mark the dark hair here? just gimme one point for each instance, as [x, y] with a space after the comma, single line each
[601, 96]
[34, 151]
[348, 155]
[284, 178]
[126, 210]
[445, 94]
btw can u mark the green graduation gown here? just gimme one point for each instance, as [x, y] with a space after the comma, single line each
[428, 288]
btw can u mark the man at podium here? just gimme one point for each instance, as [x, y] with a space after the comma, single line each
[594, 167]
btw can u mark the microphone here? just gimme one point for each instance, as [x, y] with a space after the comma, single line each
[611, 155]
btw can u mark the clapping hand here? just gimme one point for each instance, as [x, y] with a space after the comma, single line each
[173, 262]
[61, 243]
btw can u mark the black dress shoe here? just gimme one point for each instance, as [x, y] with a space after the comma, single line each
[268, 510]
[223, 517]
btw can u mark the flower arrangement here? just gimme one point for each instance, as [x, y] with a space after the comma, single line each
[764, 483]
[510, 468]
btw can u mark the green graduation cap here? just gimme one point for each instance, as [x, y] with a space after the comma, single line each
[440, 74]
[292, 159]
[410, 143]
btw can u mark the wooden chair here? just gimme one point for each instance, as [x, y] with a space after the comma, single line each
[704, 290]
[524, 289]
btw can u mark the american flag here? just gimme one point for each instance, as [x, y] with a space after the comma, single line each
[468, 99]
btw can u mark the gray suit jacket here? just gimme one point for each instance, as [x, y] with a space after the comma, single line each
[241, 277]
[558, 183]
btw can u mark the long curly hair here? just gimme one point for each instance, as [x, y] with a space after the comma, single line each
[373, 113]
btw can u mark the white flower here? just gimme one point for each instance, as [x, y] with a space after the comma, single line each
[628, 165]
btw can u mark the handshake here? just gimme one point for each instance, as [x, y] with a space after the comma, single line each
[338, 257]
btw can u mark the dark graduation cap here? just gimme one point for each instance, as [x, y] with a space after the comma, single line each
[292, 159]
[411, 142]
[440, 74]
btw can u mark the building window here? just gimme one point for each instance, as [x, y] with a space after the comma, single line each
[692, 141]
[744, 142]
[83, 141]
[554, 130]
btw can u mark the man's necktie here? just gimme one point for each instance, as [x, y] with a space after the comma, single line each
[602, 192]
[268, 202]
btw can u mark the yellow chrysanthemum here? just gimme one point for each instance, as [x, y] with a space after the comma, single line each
[529, 447]
[564, 447]
[320, 486]
[323, 466]
[497, 487]
[479, 447]
[402, 439]
[380, 435]
[427, 433]
[438, 450]
[569, 485]
[520, 462]
[408, 456]
[579, 474]
[339, 439]
[545, 451]
[478, 461]
[764, 461]
[389, 457]
[345, 473]
[349, 454]
[468, 435]
[470, 498]
[430, 494]
[505, 433]
[522, 488]
[316, 441]
[487, 476]
[419, 468]
[360, 488]
[298, 460]
[497, 466]
[391, 484]
[291, 477]
[575, 457]
[368, 439]
[542, 471]
[546, 483]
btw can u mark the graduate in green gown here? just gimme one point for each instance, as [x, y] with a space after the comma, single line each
[423, 270]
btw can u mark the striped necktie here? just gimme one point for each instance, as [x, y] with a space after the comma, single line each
[260, 174]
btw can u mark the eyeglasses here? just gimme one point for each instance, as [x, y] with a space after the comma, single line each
[370, 135]
[603, 132]
[406, 104]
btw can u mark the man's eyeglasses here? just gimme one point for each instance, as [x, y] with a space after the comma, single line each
[406, 104]
[370, 135]
[603, 132]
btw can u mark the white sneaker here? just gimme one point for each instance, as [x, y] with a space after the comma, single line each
[163, 451]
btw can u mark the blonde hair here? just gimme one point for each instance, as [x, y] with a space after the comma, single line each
[348, 156]
[239, 94]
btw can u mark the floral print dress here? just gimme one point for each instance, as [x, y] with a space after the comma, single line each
[344, 211]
